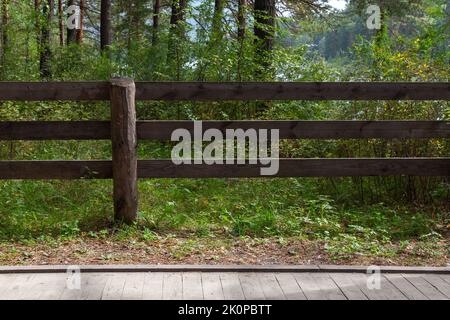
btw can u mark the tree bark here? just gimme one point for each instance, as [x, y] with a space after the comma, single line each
[242, 23]
[264, 30]
[177, 34]
[80, 32]
[217, 19]
[155, 29]
[105, 25]
[45, 46]
[4, 37]
[61, 23]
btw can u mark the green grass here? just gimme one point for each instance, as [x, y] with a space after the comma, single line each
[228, 207]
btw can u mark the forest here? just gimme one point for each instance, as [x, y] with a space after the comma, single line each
[358, 220]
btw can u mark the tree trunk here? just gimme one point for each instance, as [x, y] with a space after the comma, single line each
[264, 31]
[105, 25]
[241, 19]
[177, 34]
[156, 12]
[80, 32]
[217, 19]
[71, 33]
[4, 37]
[61, 23]
[45, 49]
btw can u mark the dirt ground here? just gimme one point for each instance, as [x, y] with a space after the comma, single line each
[226, 251]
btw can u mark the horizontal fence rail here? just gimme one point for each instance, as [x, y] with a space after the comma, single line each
[124, 131]
[68, 170]
[245, 91]
[161, 130]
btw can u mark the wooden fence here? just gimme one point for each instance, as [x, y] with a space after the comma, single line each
[124, 131]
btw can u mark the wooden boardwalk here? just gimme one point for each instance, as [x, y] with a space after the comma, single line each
[223, 286]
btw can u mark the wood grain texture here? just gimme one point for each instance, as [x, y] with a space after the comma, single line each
[162, 130]
[147, 169]
[245, 91]
[124, 145]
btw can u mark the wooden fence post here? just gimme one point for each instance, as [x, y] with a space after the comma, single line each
[124, 143]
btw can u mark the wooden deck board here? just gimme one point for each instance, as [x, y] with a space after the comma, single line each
[212, 286]
[153, 286]
[425, 287]
[224, 286]
[231, 286]
[192, 286]
[290, 287]
[173, 286]
[405, 287]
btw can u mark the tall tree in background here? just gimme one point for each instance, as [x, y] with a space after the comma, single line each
[4, 36]
[177, 35]
[155, 29]
[45, 37]
[80, 31]
[61, 22]
[105, 25]
[264, 31]
[217, 18]
[242, 23]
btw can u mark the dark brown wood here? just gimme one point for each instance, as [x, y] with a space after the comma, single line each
[162, 130]
[48, 170]
[55, 130]
[301, 168]
[197, 91]
[124, 144]
[173, 91]
[54, 91]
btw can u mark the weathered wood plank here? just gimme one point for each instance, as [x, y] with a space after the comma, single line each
[290, 287]
[271, 287]
[192, 286]
[153, 286]
[47, 170]
[212, 286]
[405, 287]
[172, 286]
[347, 286]
[386, 291]
[162, 130]
[199, 91]
[251, 286]
[51, 286]
[114, 287]
[134, 286]
[309, 286]
[207, 91]
[231, 285]
[301, 168]
[55, 130]
[437, 282]
[124, 154]
[328, 288]
[92, 285]
[425, 287]
[53, 91]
